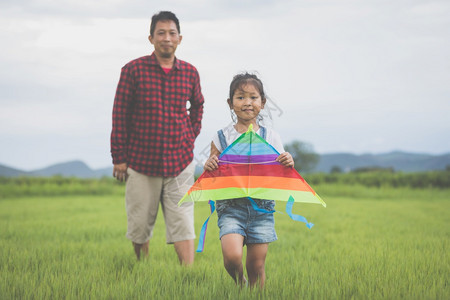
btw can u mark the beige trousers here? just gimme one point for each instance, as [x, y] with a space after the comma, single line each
[143, 196]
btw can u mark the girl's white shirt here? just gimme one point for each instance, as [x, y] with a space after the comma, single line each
[230, 133]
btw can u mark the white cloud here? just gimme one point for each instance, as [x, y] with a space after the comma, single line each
[348, 75]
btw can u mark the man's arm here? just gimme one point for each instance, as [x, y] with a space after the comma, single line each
[120, 119]
[196, 109]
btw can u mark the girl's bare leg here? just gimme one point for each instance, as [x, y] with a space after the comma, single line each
[256, 260]
[232, 249]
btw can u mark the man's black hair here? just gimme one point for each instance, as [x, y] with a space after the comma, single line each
[164, 16]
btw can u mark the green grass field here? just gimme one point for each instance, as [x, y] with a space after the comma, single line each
[367, 244]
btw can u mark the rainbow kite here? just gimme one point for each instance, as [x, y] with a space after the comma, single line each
[247, 168]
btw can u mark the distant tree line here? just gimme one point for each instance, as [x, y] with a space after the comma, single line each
[337, 169]
[11, 187]
[384, 178]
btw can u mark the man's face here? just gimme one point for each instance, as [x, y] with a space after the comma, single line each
[165, 39]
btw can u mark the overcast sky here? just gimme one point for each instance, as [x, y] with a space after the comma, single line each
[368, 76]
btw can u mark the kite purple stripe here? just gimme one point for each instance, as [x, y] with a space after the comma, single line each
[249, 159]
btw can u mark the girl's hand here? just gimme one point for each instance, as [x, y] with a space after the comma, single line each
[286, 159]
[212, 163]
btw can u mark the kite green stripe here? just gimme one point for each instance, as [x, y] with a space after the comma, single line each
[258, 193]
[254, 140]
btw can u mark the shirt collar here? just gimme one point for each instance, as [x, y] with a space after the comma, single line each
[153, 61]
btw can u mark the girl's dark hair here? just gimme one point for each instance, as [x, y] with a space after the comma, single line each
[163, 16]
[243, 79]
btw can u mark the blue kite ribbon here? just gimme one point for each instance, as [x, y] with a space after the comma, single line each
[257, 208]
[201, 241]
[294, 217]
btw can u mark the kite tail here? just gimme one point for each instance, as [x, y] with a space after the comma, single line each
[294, 217]
[202, 236]
[257, 208]
[289, 205]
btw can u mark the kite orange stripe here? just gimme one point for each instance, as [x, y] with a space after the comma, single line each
[269, 182]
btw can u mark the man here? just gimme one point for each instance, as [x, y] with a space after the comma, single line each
[153, 136]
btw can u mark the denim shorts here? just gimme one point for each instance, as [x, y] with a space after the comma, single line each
[238, 216]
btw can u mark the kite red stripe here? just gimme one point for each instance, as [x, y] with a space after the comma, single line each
[253, 170]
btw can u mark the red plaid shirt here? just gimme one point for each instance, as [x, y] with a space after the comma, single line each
[153, 131]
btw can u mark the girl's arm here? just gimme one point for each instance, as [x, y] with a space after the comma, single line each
[285, 159]
[213, 161]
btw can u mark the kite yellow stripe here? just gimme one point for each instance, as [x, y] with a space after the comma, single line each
[257, 193]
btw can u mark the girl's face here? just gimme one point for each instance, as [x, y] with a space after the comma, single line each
[247, 103]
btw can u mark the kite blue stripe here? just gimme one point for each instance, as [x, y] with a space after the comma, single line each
[202, 236]
[294, 217]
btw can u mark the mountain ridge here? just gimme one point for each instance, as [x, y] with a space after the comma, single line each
[74, 168]
[397, 160]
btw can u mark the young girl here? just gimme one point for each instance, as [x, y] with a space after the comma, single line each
[239, 223]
